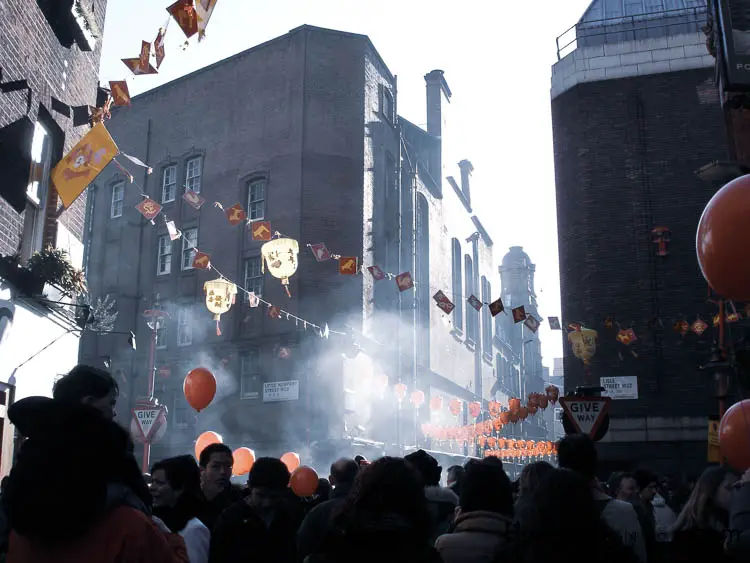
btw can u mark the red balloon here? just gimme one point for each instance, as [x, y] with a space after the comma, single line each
[291, 460]
[199, 388]
[304, 481]
[734, 435]
[723, 235]
[205, 440]
[243, 458]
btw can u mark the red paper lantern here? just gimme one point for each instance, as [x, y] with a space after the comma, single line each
[497, 423]
[505, 417]
[543, 401]
[723, 234]
[494, 407]
[455, 407]
[243, 461]
[523, 412]
[553, 393]
[417, 398]
[514, 417]
[734, 435]
[400, 390]
[532, 409]
[291, 460]
[533, 400]
[304, 481]
[514, 404]
[205, 440]
[199, 388]
[475, 409]
[436, 403]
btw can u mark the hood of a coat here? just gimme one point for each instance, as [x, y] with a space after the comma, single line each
[482, 522]
[73, 467]
[440, 495]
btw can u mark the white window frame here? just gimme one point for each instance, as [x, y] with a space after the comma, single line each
[254, 204]
[115, 209]
[161, 334]
[253, 283]
[164, 250]
[193, 179]
[169, 189]
[189, 242]
[248, 373]
[184, 326]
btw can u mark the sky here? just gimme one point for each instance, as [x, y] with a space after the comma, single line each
[497, 59]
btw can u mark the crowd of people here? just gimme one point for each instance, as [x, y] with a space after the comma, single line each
[76, 494]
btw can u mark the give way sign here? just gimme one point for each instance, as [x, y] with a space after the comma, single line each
[145, 417]
[586, 413]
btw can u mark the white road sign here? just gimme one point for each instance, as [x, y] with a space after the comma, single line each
[620, 388]
[145, 417]
[275, 391]
[586, 413]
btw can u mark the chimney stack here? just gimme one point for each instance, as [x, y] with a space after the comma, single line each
[437, 88]
[466, 169]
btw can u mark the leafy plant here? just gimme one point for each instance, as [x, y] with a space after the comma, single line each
[53, 265]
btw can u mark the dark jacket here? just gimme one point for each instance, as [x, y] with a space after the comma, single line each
[317, 524]
[476, 538]
[689, 546]
[376, 538]
[441, 503]
[241, 535]
[74, 467]
[739, 523]
[213, 508]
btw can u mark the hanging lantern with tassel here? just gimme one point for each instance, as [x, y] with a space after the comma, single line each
[220, 296]
[280, 255]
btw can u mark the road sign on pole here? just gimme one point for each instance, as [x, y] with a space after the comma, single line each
[586, 413]
[146, 417]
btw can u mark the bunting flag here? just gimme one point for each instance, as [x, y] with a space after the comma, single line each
[404, 281]
[120, 93]
[204, 9]
[236, 215]
[519, 314]
[554, 323]
[474, 302]
[135, 67]
[376, 273]
[83, 164]
[532, 323]
[138, 162]
[148, 208]
[159, 46]
[186, 17]
[201, 260]
[348, 265]
[443, 303]
[497, 307]
[274, 312]
[261, 230]
[320, 252]
[193, 199]
[174, 234]
[145, 56]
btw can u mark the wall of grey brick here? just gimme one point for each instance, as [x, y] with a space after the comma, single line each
[30, 50]
[625, 155]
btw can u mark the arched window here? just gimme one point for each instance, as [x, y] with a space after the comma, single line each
[472, 315]
[423, 281]
[457, 297]
[486, 318]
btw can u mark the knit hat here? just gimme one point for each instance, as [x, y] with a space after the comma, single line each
[426, 465]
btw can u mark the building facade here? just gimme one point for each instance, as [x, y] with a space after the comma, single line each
[48, 50]
[314, 145]
[635, 113]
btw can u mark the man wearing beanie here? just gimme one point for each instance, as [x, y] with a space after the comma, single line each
[441, 502]
[262, 526]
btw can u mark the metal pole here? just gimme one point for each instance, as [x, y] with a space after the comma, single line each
[151, 385]
[722, 376]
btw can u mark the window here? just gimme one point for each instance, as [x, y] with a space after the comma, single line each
[169, 184]
[164, 265]
[181, 416]
[458, 299]
[472, 315]
[250, 375]
[36, 191]
[256, 199]
[254, 276]
[189, 242]
[386, 107]
[486, 317]
[184, 326]
[193, 174]
[161, 334]
[118, 195]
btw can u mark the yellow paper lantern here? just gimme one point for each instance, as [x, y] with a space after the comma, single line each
[220, 296]
[280, 255]
[583, 343]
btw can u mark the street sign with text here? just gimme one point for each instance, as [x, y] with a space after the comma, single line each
[146, 417]
[586, 414]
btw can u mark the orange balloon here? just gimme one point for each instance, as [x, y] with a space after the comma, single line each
[734, 435]
[205, 440]
[723, 235]
[243, 461]
[291, 460]
[304, 481]
[199, 388]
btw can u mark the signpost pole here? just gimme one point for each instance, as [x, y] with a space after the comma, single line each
[154, 316]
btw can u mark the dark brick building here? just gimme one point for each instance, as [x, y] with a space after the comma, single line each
[635, 114]
[303, 131]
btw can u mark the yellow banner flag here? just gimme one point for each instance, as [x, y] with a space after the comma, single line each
[84, 163]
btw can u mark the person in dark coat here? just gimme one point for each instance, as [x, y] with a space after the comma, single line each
[455, 476]
[529, 481]
[738, 542]
[316, 525]
[215, 463]
[384, 520]
[441, 501]
[262, 526]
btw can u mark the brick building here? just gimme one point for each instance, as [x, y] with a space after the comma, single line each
[635, 113]
[48, 49]
[304, 131]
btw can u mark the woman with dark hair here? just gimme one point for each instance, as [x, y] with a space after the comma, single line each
[699, 532]
[385, 518]
[178, 501]
[566, 518]
[529, 481]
